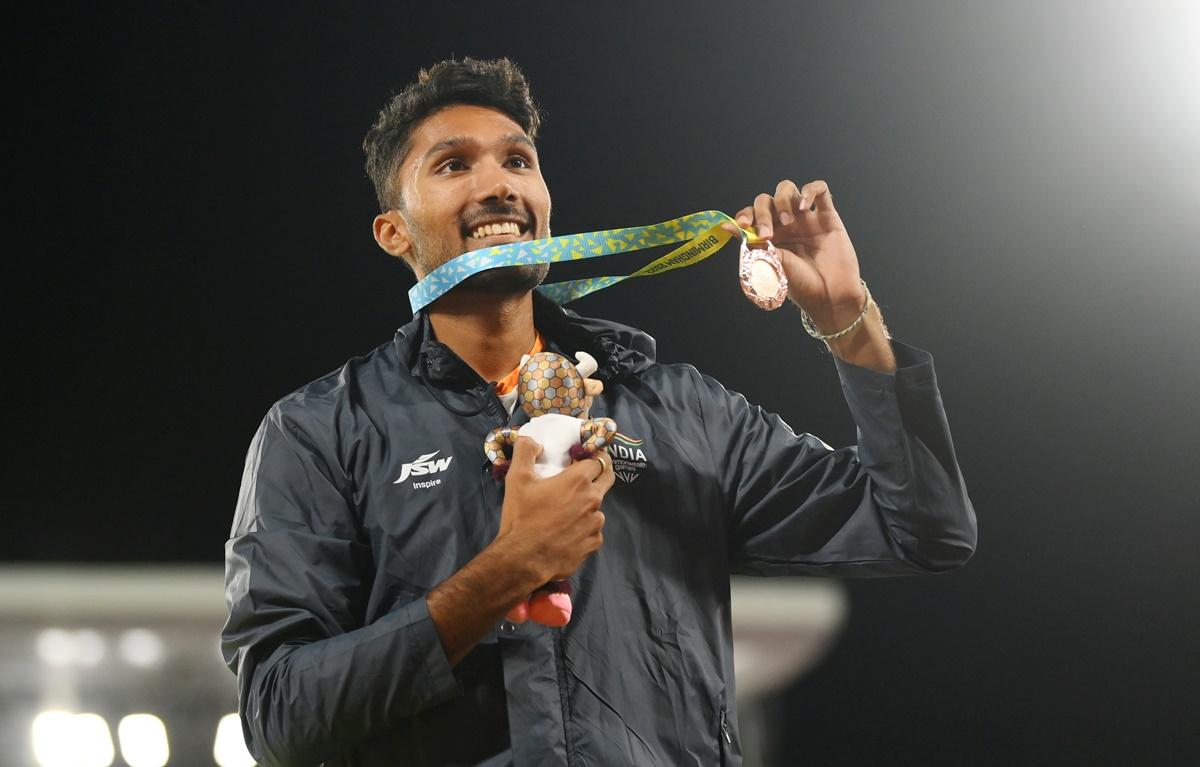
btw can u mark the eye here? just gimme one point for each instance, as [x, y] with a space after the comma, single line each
[520, 161]
[453, 165]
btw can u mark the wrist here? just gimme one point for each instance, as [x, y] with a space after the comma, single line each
[835, 318]
[836, 314]
[869, 345]
[514, 556]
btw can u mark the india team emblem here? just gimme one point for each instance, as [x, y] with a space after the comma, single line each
[628, 457]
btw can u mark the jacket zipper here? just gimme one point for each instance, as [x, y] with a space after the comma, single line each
[727, 741]
[560, 666]
[724, 723]
[495, 406]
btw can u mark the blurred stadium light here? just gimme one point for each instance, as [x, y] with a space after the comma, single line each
[120, 665]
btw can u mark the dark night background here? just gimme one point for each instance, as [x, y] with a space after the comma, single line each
[1021, 183]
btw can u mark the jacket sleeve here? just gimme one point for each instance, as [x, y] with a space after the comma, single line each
[313, 681]
[894, 504]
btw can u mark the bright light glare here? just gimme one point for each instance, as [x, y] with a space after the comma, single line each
[141, 647]
[95, 741]
[58, 647]
[63, 739]
[53, 741]
[229, 750]
[143, 739]
[55, 647]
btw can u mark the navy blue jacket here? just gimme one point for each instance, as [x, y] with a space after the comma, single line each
[332, 553]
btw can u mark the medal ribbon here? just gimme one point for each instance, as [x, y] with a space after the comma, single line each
[701, 234]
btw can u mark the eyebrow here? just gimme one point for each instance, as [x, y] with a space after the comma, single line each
[458, 142]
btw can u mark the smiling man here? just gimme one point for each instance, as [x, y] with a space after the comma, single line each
[373, 559]
[434, 212]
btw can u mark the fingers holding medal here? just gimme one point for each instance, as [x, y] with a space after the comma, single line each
[797, 210]
[796, 225]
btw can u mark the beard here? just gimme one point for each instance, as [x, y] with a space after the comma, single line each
[506, 280]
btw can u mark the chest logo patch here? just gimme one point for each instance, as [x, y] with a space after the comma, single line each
[628, 457]
[424, 465]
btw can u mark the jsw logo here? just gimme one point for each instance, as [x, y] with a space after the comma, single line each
[424, 465]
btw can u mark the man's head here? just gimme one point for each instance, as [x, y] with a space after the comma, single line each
[455, 169]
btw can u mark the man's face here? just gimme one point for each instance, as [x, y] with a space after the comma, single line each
[471, 180]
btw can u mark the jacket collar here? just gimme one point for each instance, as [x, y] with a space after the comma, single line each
[619, 350]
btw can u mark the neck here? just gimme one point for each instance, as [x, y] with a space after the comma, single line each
[490, 333]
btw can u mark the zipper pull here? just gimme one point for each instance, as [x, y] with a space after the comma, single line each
[725, 728]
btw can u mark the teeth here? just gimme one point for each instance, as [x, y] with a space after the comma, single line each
[490, 230]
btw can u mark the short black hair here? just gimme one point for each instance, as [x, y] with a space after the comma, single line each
[498, 84]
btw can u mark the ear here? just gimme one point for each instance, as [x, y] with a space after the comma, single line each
[392, 235]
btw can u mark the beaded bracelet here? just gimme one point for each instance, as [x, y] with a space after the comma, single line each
[812, 330]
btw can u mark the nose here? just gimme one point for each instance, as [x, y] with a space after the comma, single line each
[495, 185]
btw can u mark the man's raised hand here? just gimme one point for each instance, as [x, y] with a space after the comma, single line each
[818, 257]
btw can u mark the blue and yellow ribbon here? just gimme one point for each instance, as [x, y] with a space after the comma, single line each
[701, 234]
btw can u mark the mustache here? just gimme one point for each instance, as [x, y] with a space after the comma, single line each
[497, 210]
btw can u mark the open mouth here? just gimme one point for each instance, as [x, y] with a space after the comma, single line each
[501, 231]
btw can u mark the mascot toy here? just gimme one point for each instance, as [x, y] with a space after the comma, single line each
[556, 394]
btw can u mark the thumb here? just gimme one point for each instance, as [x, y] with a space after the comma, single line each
[525, 452]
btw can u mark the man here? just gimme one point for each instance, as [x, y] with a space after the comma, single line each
[373, 558]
